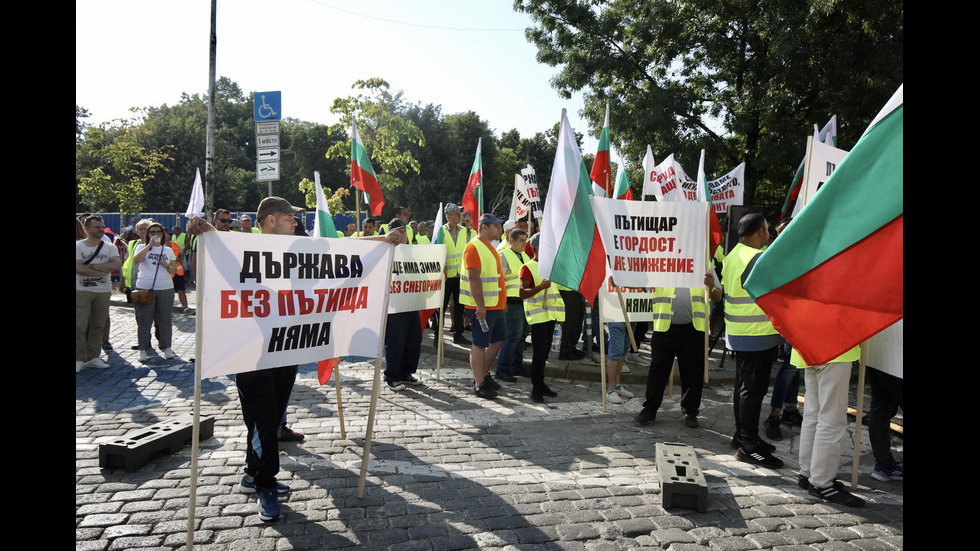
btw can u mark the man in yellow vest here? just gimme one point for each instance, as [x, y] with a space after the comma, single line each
[456, 237]
[678, 331]
[753, 338]
[484, 294]
[824, 426]
[543, 307]
[511, 360]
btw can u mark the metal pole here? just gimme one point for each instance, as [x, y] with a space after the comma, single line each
[212, 93]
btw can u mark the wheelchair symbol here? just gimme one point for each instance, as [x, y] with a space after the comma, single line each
[265, 110]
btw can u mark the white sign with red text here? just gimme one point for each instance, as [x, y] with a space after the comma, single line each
[417, 281]
[274, 300]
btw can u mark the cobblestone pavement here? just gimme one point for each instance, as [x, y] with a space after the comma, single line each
[448, 470]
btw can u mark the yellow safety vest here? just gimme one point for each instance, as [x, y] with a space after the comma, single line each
[663, 304]
[851, 355]
[128, 264]
[512, 280]
[422, 240]
[408, 231]
[489, 277]
[545, 305]
[454, 250]
[743, 317]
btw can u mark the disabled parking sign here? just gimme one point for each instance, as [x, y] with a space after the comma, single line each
[268, 106]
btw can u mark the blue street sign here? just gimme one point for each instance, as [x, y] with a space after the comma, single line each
[268, 106]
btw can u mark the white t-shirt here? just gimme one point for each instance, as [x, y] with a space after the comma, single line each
[144, 277]
[94, 284]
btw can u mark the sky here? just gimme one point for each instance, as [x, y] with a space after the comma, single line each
[465, 55]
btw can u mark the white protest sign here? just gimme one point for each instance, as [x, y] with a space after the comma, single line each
[531, 189]
[661, 180]
[417, 278]
[821, 160]
[274, 300]
[653, 243]
[520, 205]
[728, 190]
[688, 188]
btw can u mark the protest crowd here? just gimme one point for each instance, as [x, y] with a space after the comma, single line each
[500, 282]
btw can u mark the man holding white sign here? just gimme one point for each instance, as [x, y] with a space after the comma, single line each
[263, 390]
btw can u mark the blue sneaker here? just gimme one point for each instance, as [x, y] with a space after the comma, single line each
[247, 486]
[884, 475]
[269, 504]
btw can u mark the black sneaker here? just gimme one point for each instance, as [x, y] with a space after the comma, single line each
[484, 392]
[537, 398]
[506, 377]
[460, 339]
[759, 457]
[736, 443]
[771, 425]
[395, 385]
[410, 380]
[548, 392]
[803, 482]
[792, 417]
[490, 383]
[691, 421]
[645, 416]
[837, 493]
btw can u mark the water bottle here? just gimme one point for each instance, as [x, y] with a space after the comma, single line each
[484, 326]
[556, 340]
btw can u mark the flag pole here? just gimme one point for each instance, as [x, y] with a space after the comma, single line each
[707, 295]
[196, 429]
[602, 356]
[340, 407]
[855, 462]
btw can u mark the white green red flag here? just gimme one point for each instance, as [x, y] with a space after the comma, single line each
[835, 276]
[473, 196]
[571, 252]
[361, 174]
[704, 196]
[323, 226]
[601, 170]
[827, 135]
[439, 232]
[622, 190]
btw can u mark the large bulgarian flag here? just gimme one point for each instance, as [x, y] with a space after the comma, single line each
[601, 173]
[835, 276]
[361, 174]
[323, 226]
[826, 135]
[473, 196]
[571, 253]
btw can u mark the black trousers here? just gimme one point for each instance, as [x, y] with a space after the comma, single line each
[403, 344]
[264, 395]
[541, 337]
[571, 328]
[452, 293]
[752, 370]
[887, 392]
[687, 345]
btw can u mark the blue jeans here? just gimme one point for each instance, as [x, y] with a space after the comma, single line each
[786, 388]
[512, 352]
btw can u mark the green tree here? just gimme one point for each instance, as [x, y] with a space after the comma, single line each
[743, 79]
[385, 130]
[119, 165]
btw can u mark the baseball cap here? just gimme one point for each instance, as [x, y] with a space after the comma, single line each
[509, 225]
[489, 218]
[274, 205]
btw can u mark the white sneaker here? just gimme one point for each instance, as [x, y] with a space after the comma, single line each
[635, 359]
[624, 369]
[623, 392]
[169, 354]
[97, 362]
[79, 366]
[613, 398]
[143, 357]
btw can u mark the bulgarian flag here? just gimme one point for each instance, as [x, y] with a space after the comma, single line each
[601, 171]
[323, 227]
[704, 196]
[438, 237]
[828, 135]
[571, 253]
[622, 190]
[835, 276]
[473, 196]
[361, 174]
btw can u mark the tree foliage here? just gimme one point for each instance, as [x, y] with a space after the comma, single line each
[743, 79]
